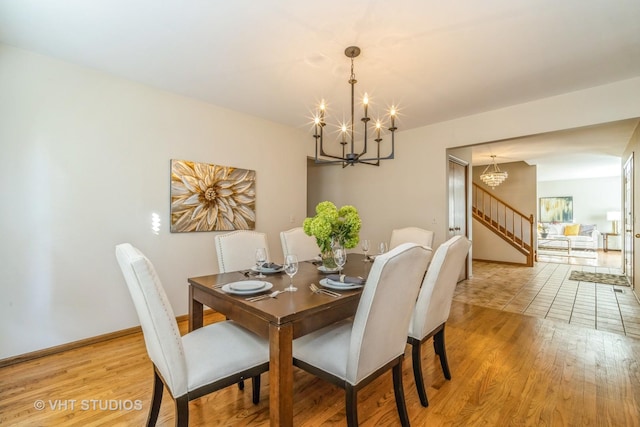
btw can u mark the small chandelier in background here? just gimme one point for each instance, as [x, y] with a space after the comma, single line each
[495, 176]
[347, 129]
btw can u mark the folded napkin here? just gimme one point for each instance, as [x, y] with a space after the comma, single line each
[346, 279]
[271, 265]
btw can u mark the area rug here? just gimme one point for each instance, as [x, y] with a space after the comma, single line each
[604, 278]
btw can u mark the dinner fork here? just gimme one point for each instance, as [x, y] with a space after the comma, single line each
[265, 296]
[316, 290]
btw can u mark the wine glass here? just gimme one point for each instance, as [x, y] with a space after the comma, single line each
[261, 258]
[291, 268]
[340, 257]
[365, 248]
[382, 248]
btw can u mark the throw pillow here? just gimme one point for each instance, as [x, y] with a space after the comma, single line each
[571, 229]
[587, 229]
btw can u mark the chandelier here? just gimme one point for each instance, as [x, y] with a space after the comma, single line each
[495, 176]
[347, 136]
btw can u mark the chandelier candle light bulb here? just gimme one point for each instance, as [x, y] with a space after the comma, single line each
[365, 101]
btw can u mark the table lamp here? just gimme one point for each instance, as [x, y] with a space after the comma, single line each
[614, 217]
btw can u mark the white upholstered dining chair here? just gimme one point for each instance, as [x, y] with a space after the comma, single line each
[198, 363]
[433, 306]
[296, 241]
[416, 235]
[237, 250]
[352, 353]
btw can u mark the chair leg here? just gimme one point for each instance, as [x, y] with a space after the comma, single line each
[399, 393]
[416, 358]
[351, 395]
[156, 400]
[438, 340]
[182, 411]
[241, 384]
[255, 382]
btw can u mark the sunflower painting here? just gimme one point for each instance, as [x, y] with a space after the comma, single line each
[207, 197]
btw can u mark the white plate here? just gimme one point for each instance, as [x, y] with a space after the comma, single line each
[247, 285]
[338, 285]
[326, 270]
[266, 270]
[226, 288]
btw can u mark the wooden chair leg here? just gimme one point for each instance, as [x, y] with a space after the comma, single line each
[438, 340]
[416, 358]
[241, 382]
[399, 393]
[255, 382]
[156, 400]
[351, 396]
[182, 411]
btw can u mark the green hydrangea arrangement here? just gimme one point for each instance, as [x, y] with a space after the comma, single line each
[330, 223]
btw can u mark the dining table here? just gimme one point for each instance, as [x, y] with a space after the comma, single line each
[281, 319]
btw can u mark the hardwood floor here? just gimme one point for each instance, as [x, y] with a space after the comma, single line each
[507, 369]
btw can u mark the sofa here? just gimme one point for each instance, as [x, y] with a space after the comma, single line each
[560, 234]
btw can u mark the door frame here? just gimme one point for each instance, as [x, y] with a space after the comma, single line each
[451, 231]
[628, 252]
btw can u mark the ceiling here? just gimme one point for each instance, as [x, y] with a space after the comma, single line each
[277, 59]
[587, 152]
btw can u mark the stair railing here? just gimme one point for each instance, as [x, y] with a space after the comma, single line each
[511, 225]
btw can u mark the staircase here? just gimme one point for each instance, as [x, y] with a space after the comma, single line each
[505, 221]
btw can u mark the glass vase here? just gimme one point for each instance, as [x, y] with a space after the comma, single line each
[327, 260]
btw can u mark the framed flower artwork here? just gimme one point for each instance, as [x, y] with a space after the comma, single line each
[207, 197]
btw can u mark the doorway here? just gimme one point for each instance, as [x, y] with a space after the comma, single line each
[627, 225]
[458, 171]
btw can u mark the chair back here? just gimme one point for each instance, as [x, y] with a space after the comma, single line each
[237, 250]
[434, 300]
[296, 241]
[159, 327]
[381, 322]
[411, 235]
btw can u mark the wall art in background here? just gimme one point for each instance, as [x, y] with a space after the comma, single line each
[556, 209]
[207, 197]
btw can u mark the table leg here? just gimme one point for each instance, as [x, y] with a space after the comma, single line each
[196, 310]
[605, 242]
[281, 375]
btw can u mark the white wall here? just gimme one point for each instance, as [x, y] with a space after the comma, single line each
[412, 189]
[592, 199]
[85, 164]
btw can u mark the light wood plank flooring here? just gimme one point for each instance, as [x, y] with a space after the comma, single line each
[546, 291]
[507, 369]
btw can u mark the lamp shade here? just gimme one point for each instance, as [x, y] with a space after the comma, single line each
[613, 216]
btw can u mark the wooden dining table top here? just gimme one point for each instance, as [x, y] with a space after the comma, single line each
[286, 307]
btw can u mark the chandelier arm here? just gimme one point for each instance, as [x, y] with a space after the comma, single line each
[377, 159]
[322, 153]
[323, 161]
[342, 159]
[366, 122]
